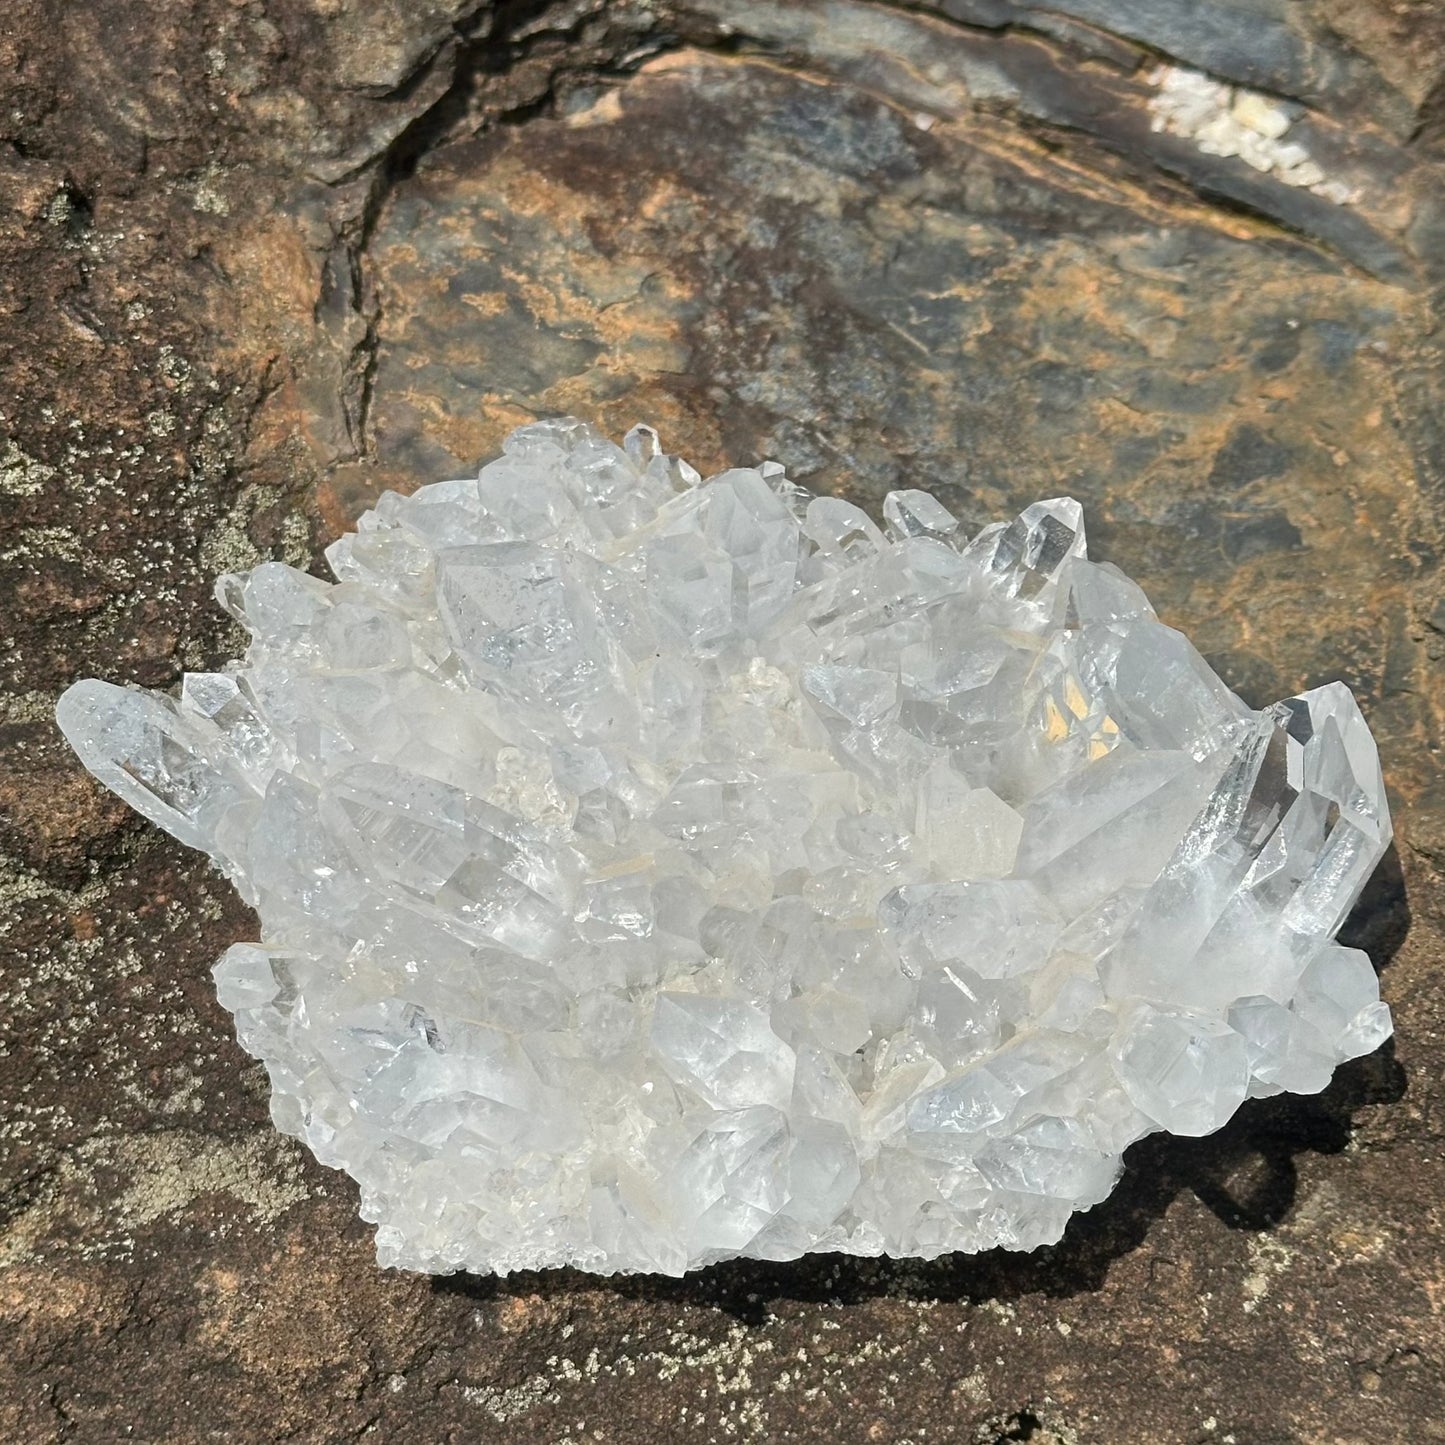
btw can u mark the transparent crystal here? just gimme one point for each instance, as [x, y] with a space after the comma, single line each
[653, 870]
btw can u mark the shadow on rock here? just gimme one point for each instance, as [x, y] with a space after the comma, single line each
[1245, 1174]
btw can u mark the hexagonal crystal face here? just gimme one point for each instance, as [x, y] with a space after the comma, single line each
[653, 870]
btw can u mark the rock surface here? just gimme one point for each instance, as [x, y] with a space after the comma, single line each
[846, 234]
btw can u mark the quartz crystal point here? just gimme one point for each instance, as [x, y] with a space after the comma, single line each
[654, 870]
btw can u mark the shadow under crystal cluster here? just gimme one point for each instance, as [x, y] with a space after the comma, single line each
[655, 870]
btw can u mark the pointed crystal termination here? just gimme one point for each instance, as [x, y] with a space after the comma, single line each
[169, 767]
[654, 870]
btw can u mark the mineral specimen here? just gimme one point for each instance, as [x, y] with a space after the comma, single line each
[654, 870]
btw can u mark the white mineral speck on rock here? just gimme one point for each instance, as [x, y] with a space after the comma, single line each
[653, 870]
[1225, 120]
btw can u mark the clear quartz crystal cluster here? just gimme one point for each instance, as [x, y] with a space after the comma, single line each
[654, 870]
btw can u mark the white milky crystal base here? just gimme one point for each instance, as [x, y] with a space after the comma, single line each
[655, 870]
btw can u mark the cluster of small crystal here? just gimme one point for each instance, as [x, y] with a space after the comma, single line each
[655, 870]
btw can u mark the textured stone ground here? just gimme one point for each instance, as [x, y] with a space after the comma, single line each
[260, 259]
